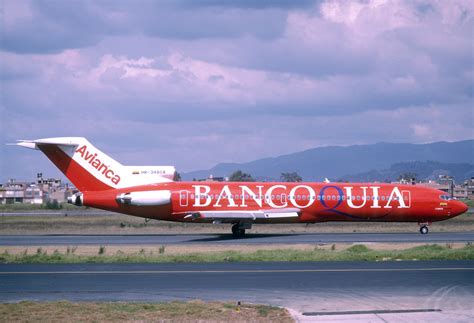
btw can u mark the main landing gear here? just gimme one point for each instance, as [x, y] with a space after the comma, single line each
[424, 228]
[238, 229]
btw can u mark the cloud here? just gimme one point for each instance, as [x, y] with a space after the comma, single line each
[196, 83]
[37, 26]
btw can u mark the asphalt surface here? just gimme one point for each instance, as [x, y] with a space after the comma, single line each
[308, 288]
[166, 239]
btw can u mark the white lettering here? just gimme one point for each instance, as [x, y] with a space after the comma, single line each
[311, 192]
[225, 192]
[397, 196]
[202, 190]
[270, 193]
[350, 198]
[375, 197]
[247, 192]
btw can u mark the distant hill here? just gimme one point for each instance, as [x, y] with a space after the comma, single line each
[335, 162]
[424, 171]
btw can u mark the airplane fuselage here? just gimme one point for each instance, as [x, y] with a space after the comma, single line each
[313, 202]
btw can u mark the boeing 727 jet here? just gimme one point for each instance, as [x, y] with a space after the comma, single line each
[150, 192]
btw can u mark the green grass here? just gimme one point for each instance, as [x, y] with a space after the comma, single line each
[354, 253]
[193, 311]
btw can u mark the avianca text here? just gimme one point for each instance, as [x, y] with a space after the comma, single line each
[92, 159]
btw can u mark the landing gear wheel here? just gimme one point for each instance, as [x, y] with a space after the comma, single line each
[237, 231]
[424, 229]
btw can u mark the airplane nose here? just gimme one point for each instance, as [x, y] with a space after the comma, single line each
[460, 208]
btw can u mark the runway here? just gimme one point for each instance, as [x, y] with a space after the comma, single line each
[167, 239]
[310, 287]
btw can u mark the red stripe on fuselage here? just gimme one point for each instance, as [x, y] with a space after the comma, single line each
[81, 178]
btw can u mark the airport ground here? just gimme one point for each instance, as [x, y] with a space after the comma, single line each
[91, 221]
[407, 291]
[383, 289]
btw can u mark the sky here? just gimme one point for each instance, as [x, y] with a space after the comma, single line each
[195, 83]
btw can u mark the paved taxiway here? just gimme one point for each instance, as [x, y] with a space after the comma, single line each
[439, 289]
[165, 239]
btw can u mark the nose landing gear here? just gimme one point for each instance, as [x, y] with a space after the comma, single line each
[424, 228]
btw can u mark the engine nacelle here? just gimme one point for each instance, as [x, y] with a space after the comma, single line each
[145, 198]
[76, 199]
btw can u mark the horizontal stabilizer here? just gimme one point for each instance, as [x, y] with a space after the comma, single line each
[33, 144]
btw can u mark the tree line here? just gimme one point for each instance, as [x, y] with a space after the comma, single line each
[240, 176]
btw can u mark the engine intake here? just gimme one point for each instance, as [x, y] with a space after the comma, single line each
[75, 199]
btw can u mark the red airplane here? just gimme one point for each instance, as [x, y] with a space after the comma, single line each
[150, 192]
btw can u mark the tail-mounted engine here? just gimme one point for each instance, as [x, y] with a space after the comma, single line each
[76, 199]
[145, 198]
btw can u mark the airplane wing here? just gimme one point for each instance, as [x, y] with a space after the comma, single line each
[244, 215]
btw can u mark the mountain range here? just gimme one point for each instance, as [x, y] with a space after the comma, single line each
[427, 170]
[350, 162]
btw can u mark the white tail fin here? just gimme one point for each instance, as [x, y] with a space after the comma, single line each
[89, 169]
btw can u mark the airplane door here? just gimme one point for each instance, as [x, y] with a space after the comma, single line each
[183, 198]
[407, 198]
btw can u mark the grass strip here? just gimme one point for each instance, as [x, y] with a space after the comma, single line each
[193, 311]
[354, 253]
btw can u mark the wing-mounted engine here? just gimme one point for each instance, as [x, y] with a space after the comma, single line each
[145, 198]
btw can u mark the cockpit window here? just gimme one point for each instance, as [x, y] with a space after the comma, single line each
[445, 197]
